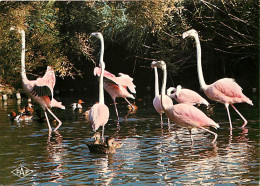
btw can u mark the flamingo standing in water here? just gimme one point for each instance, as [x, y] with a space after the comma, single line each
[41, 89]
[225, 90]
[117, 86]
[99, 112]
[183, 114]
[183, 95]
[157, 99]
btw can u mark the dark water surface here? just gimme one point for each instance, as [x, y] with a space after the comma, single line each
[149, 155]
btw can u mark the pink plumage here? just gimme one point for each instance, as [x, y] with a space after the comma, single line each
[183, 95]
[117, 86]
[226, 91]
[98, 115]
[40, 90]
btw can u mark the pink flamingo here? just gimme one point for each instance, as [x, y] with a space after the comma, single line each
[157, 99]
[183, 114]
[183, 95]
[99, 112]
[225, 90]
[117, 86]
[41, 89]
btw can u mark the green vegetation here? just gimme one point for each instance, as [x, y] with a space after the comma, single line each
[57, 34]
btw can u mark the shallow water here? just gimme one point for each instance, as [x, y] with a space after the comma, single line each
[149, 155]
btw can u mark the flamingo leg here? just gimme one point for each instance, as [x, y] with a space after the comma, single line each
[47, 119]
[191, 138]
[215, 134]
[130, 104]
[245, 121]
[229, 118]
[103, 129]
[161, 120]
[114, 99]
[55, 118]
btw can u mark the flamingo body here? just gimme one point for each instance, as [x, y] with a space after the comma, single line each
[186, 96]
[98, 115]
[117, 86]
[226, 91]
[189, 116]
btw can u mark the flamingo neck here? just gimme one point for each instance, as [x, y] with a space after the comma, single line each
[164, 81]
[23, 72]
[203, 85]
[156, 81]
[102, 66]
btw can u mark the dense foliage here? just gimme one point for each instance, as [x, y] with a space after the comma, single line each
[135, 32]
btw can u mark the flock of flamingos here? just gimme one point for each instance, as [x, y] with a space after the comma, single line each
[225, 91]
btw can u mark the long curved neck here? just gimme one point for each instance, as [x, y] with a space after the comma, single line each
[102, 66]
[156, 81]
[164, 81]
[23, 72]
[199, 65]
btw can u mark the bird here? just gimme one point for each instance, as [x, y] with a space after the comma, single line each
[107, 148]
[183, 114]
[184, 95]
[117, 86]
[225, 90]
[41, 89]
[97, 137]
[20, 117]
[77, 105]
[157, 99]
[99, 112]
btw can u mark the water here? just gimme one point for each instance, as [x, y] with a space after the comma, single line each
[149, 155]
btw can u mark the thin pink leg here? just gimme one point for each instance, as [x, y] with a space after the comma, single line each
[213, 141]
[116, 109]
[229, 118]
[47, 119]
[245, 121]
[191, 138]
[103, 129]
[161, 121]
[130, 104]
[56, 119]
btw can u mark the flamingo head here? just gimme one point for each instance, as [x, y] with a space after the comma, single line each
[97, 35]
[20, 30]
[159, 64]
[190, 33]
[171, 90]
[178, 88]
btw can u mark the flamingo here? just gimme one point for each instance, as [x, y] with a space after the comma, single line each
[99, 112]
[183, 95]
[117, 86]
[183, 114]
[157, 99]
[41, 89]
[225, 90]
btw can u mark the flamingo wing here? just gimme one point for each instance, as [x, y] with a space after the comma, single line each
[126, 80]
[191, 115]
[44, 86]
[229, 87]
